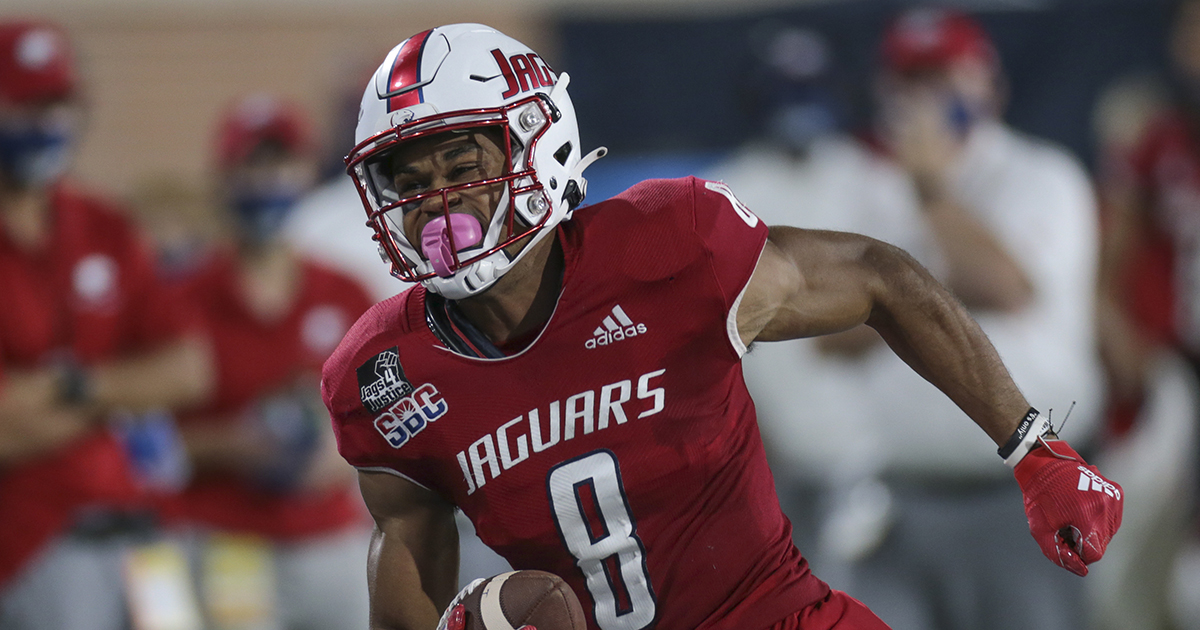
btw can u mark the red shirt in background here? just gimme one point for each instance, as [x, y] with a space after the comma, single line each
[1163, 278]
[91, 294]
[255, 359]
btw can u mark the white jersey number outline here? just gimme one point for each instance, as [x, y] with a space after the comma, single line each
[740, 208]
[592, 514]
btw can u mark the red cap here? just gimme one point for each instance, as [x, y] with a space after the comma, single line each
[257, 119]
[931, 39]
[36, 63]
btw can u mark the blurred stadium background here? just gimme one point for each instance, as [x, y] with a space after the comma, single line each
[661, 83]
[651, 76]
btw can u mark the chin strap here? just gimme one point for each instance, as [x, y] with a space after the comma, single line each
[576, 188]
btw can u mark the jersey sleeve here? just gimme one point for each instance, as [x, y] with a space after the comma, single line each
[339, 393]
[355, 427]
[733, 238]
[731, 235]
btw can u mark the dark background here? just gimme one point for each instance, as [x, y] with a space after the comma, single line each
[643, 86]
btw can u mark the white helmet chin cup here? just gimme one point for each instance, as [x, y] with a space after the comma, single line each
[459, 77]
[472, 279]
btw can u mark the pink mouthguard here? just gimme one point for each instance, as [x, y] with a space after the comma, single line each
[435, 240]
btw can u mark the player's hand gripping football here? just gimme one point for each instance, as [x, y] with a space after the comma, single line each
[1073, 511]
[455, 616]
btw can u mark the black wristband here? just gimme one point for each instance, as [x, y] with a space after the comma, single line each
[1019, 435]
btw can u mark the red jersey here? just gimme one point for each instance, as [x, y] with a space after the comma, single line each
[620, 449]
[255, 359]
[90, 293]
[1164, 287]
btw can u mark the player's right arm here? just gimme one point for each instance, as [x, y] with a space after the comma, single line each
[412, 570]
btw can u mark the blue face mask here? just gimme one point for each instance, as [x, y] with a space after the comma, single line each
[798, 125]
[260, 215]
[960, 115]
[34, 157]
[801, 112]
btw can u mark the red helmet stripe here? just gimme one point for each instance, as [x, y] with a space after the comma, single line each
[406, 71]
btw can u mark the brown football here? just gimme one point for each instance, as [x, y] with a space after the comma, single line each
[542, 600]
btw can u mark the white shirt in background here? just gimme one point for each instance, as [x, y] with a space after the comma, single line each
[813, 409]
[1039, 203]
[331, 226]
[825, 416]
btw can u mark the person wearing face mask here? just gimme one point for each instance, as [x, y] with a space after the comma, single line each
[269, 488]
[88, 333]
[1013, 222]
[1150, 300]
[1150, 281]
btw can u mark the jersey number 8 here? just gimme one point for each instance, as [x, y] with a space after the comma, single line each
[593, 518]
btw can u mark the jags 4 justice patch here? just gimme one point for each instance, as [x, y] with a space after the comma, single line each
[381, 381]
[400, 411]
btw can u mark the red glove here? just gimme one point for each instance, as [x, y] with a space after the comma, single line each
[456, 619]
[1073, 512]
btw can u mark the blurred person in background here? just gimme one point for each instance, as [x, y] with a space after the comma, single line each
[1150, 431]
[1150, 284]
[328, 224]
[87, 330]
[181, 220]
[1013, 220]
[803, 169]
[278, 536]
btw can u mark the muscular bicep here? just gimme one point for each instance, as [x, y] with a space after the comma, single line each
[413, 564]
[808, 283]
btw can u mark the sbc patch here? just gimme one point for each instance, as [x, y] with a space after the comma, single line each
[381, 381]
[410, 415]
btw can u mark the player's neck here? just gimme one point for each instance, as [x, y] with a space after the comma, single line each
[25, 217]
[522, 300]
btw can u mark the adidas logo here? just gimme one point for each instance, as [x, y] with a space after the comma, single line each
[616, 327]
[1089, 480]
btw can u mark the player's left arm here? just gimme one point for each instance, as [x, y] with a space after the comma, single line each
[811, 283]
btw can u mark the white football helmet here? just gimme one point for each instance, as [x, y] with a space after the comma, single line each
[456, 78]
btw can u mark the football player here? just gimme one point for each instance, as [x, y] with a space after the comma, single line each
[87, 328]
[574, 386]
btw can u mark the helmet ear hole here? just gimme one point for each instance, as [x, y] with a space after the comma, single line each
[563, 153]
